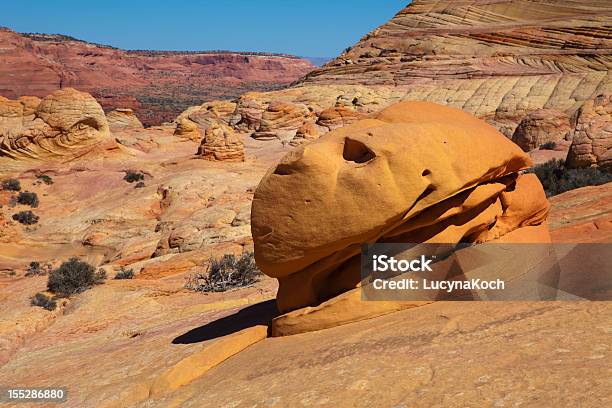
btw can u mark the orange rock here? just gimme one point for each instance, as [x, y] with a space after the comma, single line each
[338, 116]
[281, 120]
[197, 364]
[121, 119]
[65, 124]
[307, 133]
[366, 181]
[592, 138]
[221, 143]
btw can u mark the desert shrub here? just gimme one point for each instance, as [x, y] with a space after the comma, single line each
[28, 198]
[140, 184]
[74, 276]
[11, 185]
[132, 176]
[45, 179]
[26, 217]
[548, 146]
[124, 273]
[44, 301]
[100, 276]
[35, 269]
[557, 179]
[226, 273]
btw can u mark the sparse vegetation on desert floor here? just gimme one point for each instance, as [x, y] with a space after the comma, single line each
[74, 276]
[228, 272]
[136, 188]
[557, 179]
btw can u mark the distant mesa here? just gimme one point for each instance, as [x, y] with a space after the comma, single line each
[156, 85]
[524, 67]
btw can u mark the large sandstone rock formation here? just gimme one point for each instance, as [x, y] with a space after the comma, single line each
[296, 114]
[499, 60]
[541, 127]
[504, 61]
[281, 120]
[221, 143]
[592, 137]
[191, 123]
[415, 172]
[64, 124]
[123, 119]
[157, 85]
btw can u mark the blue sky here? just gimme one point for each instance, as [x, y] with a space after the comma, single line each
[315, 28]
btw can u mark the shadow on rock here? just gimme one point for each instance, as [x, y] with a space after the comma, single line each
[257, 314]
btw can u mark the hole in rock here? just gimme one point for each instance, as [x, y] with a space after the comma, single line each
[426, 172]
[91, 122]
[356, 151]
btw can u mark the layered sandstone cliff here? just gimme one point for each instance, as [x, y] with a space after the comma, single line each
[156, 85]
[497, 59]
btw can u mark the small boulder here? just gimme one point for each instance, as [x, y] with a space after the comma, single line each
[592, 137]
[221, 143]
[541, 127]
[338, 116]
[281, 120]
[122, 119]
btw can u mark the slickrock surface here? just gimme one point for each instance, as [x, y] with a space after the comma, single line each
[412, 173]
[156, 85]
[582, 215]
[499, 60]
[64, 125]
[123, 118]
[221, 143]
[113, 344]
[592, 137]
[444, 354]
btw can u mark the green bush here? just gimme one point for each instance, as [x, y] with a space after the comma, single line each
[226, 273]
[124, 274]
[44, 301]
[74, 276]
[26, 217]
[35, 269]
[28, 198]
[548, 146]
[11, 185]
[132, 176]
[45, 179]
[557, 179]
